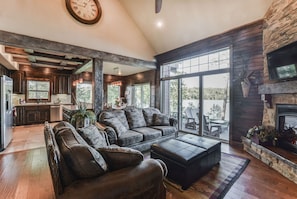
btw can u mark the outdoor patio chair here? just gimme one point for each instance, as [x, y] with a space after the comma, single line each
[192, 118]
[210, 128]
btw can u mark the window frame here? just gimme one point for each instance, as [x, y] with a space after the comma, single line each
[142, 95]
[92, 92]
[37, 100]
[107, 94]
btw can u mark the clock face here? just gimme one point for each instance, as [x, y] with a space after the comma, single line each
[85, 11]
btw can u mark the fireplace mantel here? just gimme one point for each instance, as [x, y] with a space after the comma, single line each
[288, 87]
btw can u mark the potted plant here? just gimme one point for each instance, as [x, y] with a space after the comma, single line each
[83, 117]
[261, 134]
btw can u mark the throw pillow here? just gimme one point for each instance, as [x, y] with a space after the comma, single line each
[160, 120]
[120, 157]
[93, 136]
[82, 159]
[135, 118]
[116, 124]
[148, 115]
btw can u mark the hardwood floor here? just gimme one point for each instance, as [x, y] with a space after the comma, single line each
[24, 172]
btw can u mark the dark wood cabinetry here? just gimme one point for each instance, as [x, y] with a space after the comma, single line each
[32, 114]
[18, 82]
[61, 84]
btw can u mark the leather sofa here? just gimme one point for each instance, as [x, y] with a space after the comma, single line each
[84, 165]
[137, 128]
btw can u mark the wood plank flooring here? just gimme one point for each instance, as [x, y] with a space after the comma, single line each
[24, 172]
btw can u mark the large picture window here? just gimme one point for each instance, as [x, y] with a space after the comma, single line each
[38, 89]
[141, 94]
[84, 92]
[113, 92]
[196, 91]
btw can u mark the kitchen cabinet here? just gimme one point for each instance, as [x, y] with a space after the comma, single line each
[18, 82]
[18, 119]
[61, 84]
[36, 114]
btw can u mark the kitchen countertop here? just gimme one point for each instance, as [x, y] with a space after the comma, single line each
[40, 104]
[75, 107]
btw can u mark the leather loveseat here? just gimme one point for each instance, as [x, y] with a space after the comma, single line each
[84, 165]
[137, 128]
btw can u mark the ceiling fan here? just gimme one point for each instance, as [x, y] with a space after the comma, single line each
[158, 5]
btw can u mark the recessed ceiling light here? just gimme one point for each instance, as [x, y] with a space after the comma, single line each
[159, 24]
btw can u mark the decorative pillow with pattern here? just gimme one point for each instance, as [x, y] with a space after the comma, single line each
[135, 118]
[160, 120]
[116, 124]
[93, 136]
[148, 115]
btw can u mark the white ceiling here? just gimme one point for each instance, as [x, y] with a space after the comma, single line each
[187, 21]
[128, 27]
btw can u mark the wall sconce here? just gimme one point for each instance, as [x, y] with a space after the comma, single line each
[78, 80]
[116, 83]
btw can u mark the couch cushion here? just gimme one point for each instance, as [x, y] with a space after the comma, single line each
[149, 133]
[135, 118]
[160, 120]
[120, 114]
[166, 130]
[116, 124]
[130, 138]
[120, 157]
[93, 136]
[148, 114]
[83, 160]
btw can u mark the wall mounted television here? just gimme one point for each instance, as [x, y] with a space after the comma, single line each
[282, 63]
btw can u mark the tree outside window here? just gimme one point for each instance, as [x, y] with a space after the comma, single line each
[84, 92]
[38, 90]
[141, 94]
[113, 92]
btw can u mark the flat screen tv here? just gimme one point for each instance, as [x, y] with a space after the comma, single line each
[282, 63]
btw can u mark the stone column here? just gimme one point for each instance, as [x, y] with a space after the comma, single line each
[97, 85]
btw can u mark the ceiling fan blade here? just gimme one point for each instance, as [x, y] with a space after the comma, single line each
[158, 5]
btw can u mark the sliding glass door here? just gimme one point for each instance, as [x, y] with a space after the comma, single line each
[196, 90]
[216, 103]
[190, 104]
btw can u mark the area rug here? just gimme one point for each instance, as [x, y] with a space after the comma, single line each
[215, 184]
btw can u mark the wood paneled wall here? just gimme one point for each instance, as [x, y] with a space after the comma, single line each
[246, 56]
[4, 71]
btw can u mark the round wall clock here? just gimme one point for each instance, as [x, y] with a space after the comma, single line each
[85, 11]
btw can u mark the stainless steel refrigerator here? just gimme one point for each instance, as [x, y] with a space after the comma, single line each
[6, 113]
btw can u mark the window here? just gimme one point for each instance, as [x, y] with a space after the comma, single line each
[141, 95]
[207, 62]
[38, 89]
[84, 92]
[113, 92]
[196, 91]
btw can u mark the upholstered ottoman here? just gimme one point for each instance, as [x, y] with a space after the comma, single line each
[187, 157]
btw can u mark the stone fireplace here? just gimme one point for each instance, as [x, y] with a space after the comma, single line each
[280, 98]
[280, 29]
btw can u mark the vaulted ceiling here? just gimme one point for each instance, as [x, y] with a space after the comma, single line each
[127, 27]
[181, 22]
